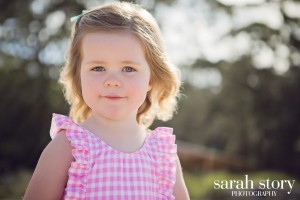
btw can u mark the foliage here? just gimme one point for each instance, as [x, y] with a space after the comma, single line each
[253, 113]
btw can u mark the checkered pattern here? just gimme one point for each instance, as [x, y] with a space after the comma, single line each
[101, 172]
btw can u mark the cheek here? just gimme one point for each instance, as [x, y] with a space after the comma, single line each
[88, 87]
[88, 81]
[140, 88]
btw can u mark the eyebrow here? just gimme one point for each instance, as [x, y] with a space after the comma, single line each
[95, 62]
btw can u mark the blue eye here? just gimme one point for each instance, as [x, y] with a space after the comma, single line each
[98, 69]
[128, 69]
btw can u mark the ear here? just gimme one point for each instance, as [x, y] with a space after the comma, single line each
[149, 87]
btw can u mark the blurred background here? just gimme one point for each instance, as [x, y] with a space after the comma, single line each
[239, 113]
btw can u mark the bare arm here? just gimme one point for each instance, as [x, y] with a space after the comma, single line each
[51, 174]
[180, 190]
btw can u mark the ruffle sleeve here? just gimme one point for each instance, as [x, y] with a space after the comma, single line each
[76, 185]
[167, 154]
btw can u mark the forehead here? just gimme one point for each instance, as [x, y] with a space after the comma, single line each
[103, 43]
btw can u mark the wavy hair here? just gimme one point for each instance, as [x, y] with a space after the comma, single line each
[161, 100]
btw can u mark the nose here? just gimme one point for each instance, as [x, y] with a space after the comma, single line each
[112, 81]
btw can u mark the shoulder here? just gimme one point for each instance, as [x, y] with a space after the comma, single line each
[163, 129]
[51, 170]
[62, 122]
[59, 147]
[164, 140]
[163, 133]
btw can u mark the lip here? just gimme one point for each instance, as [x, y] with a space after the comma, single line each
[113, 97]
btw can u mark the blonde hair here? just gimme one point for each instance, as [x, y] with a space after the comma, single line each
[161, 100]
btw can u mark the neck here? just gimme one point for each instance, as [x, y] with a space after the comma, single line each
[97, 124]
[124, 135]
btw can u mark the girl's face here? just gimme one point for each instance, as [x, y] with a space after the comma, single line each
[115, 76]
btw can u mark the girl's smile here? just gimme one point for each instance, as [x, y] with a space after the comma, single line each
[113, 97]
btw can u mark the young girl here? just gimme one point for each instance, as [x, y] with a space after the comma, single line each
[117, 80]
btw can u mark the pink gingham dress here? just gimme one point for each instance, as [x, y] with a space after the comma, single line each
[101, 172]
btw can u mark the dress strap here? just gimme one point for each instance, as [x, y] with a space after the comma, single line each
[167, 154]
[76, 186]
